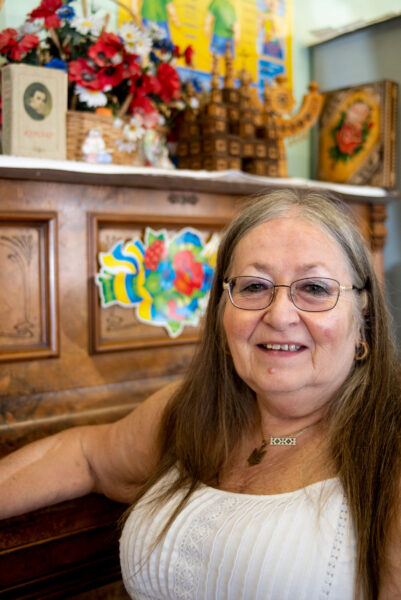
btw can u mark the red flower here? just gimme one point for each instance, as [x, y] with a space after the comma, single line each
[8, 40]
[189, 273]
[131, 66]
[111, 75]
[169, 82]
[105, 49]
[47, 11]
[141, 103]
[188, 54]
[9, 43]
[28, 42]
[349, 138]
[111, 39]
[82, 73]
[145, 84]
[151, 84]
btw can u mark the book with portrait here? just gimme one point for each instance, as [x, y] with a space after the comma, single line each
[358, 135]
[34, 106]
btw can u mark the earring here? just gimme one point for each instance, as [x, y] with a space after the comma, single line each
[362, 351]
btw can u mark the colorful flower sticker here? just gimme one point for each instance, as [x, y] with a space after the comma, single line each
[167, 278]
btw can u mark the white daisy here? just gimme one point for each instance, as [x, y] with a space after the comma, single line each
[133, 131]
[155, 32]
[135, 40]
[93, 24]
[90, 97]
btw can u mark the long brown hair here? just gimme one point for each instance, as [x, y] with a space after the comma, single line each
[210, 412]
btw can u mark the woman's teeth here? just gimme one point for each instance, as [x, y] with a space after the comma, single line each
[285, 347]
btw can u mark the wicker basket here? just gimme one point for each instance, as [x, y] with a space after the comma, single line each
[78, 125]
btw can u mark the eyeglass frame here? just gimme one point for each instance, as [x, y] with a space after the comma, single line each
[341, 288]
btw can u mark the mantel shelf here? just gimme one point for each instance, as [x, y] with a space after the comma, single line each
[230, 182]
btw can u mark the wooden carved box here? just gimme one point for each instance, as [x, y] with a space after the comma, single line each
[357, 135]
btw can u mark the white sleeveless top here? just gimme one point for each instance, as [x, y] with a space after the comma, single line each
[230, 546]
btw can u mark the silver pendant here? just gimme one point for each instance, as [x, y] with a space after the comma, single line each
[283, 441]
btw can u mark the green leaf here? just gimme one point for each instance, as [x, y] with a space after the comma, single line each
[152, 283]
[174, 326]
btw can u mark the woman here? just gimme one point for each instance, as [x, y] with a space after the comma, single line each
[272, 471]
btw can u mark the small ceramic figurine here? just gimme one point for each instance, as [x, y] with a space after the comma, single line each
[94, 148]
[155, 150]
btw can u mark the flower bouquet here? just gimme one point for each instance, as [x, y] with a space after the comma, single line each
[127, 81]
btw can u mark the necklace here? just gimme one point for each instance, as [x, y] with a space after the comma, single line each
[257, 454]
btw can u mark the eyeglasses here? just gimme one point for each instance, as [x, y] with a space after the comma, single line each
[311, 294]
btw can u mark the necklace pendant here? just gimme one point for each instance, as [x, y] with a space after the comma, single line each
[255, 458]
[283, 441]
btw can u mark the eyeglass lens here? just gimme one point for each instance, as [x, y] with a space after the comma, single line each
[311, 294]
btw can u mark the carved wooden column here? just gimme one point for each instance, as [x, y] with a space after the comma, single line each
[378, 234]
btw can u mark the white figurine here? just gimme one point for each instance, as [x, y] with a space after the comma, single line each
[94, 148]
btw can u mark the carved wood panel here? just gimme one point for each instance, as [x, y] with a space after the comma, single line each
[28, 286]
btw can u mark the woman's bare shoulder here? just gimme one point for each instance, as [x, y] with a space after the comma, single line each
[123, 454]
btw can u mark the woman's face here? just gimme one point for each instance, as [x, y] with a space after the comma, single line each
[300, 382]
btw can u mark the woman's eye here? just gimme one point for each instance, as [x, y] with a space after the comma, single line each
[253, 287]
[315, 289]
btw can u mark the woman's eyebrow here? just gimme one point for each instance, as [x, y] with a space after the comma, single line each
[265, 267]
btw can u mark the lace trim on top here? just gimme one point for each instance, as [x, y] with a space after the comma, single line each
[190, 550]
[336, 549]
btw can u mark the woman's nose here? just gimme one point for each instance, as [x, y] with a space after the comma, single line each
[282, 312]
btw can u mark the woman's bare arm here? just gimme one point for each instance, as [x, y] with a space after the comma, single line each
[112, 459]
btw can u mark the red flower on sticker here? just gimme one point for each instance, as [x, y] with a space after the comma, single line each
[189, 273]
[349, 138]
[47, 10]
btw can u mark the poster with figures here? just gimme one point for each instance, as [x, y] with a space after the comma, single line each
[259, 33]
